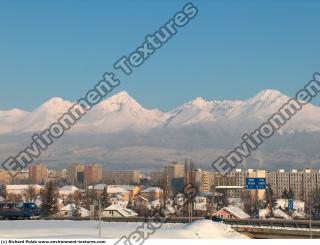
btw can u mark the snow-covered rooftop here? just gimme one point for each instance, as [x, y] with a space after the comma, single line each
[100, 187]
[23, 187]
[116, 189]
[152, 189]
[69, 188]
[238, 212]
[72, 207]
[123, 211]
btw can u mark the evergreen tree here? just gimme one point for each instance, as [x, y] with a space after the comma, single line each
[77, 203]
[50, 199]
[3, 190]
[89, 198]
[130, 204]
[105, 199]
[290, 194]
[285, 194]
[271, 199]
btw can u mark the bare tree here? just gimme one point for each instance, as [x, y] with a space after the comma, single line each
[30, 194]
[164, 187]
[189, 180]
[3, 190]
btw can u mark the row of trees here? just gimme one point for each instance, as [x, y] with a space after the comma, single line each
[86, 199]
[3, 190]
[50, 194]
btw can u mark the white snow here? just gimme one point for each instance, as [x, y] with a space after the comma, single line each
[20, 189]
[152, 189]
[69, 209]
[297, 204]
[277, 213]
[124, 212]
[236, 211]
[68, 189]
[41, 229]
[121, 112]
[114, 189]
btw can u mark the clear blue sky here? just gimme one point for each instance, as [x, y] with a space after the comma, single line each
[231, 50]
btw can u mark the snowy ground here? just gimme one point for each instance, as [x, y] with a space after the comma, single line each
[66, 229]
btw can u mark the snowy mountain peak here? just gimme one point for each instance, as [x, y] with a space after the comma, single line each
[119, 101]
[268, 94]
[55, 104]
[122, 112]
[121, 98]
[200, 102]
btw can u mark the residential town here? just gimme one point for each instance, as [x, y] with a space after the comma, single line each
[88, 190]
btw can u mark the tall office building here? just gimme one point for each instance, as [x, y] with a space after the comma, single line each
[38, 174]
[128, 177]
[5, 177]
[156, 178]
[310, 184]
[296, 184]
[240, 176]
[174, 177]
[93, 174]
[75, 174]
[202, 180]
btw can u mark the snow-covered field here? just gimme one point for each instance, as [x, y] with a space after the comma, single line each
[66, 229]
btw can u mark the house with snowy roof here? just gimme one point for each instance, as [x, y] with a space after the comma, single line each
[232, 212]
[276, 213]
[68, 190]
[119, 191]
[131, 190]
[117, 211]
[140, 201]
[152, 193]
[22, 189]
[69, 210]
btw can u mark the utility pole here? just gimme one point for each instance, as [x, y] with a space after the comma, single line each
[310, 215]
[99, 217]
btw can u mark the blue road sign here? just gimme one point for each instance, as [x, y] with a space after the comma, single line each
[290, 204]
[256, 183]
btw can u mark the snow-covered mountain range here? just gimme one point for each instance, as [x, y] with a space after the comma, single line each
[122, 113]
[119, 131]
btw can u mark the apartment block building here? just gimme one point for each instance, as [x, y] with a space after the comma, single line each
[301, 183]
[128, 177]
[21, 177]
[296, 184]
[310, 184]
[156, 178]
[93, 174]
[38, 173]
[174, 177]
[57, 176]
[240, 176]
[202, 180]
[75, 174]
[84, 174]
